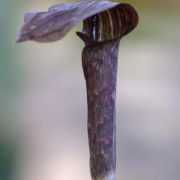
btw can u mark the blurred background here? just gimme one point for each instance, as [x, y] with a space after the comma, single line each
[43, 109]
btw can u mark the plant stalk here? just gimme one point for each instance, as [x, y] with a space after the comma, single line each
[100, 70]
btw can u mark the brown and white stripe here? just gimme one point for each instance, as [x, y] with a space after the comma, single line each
[110, 24]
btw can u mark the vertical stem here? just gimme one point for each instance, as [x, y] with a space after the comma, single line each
[99, 62]
[101, 34]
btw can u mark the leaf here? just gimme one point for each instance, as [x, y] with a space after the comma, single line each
[59, 19]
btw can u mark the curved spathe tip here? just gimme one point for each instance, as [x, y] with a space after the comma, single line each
[56, 23]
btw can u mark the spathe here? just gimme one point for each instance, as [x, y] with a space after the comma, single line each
[59, 19]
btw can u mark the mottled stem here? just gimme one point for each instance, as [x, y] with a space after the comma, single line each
[100, 70]
[101, 34]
